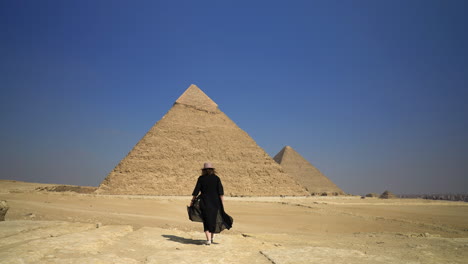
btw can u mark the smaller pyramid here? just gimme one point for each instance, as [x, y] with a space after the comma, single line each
[387, 195]
[305, 173]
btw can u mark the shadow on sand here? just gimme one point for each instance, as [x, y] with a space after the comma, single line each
[184, 240]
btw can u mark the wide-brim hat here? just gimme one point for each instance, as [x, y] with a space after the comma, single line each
[207, 165]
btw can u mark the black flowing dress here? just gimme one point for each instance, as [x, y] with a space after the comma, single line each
[215, 219]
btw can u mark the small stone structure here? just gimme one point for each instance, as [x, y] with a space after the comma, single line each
[3, 210]
[387, 195]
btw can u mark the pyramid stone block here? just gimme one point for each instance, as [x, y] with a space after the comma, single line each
[168, 159]
[305, 173]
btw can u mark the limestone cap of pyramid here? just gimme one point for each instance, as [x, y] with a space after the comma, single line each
[196, 98]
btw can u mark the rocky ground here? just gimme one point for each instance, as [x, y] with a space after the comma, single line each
[69, 227]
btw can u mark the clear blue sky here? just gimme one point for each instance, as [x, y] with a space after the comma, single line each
[373, 93]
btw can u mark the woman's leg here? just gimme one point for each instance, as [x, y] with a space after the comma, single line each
[207, 231]
[208, 236]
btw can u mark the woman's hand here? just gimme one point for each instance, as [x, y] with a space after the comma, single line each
[193, 199]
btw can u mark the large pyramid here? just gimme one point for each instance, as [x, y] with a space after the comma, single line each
[168, 159]
[305, 173]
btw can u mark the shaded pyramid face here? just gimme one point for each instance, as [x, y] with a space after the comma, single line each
[305, 173]
[168, 159]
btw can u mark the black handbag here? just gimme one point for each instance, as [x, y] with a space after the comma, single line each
[194, 212]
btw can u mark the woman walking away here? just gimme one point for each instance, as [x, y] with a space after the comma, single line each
[215, 219]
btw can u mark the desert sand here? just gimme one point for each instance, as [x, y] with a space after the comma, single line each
[69, 227]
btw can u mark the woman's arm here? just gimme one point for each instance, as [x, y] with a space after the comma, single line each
[220, 191]
[193, 199]
[195, 191]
